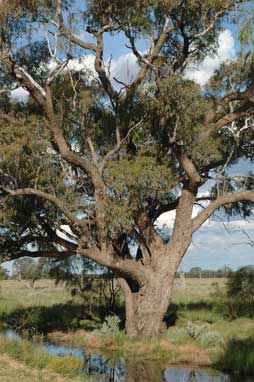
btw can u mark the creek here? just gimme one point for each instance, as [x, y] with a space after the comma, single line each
[104, 369]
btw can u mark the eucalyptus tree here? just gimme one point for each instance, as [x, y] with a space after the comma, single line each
[104, 157]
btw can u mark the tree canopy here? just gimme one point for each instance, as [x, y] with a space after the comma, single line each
[105, 157]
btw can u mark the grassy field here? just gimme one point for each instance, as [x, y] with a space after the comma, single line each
[12, 370]
[200, 333]
[16, 295]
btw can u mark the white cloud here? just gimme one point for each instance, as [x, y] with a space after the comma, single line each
[85, 63]
[168, 218]
[125, 68]
[206, 69]
[19, 95]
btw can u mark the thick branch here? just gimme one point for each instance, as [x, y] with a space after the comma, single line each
[100, 67]
[64, 150]
[219, 117]
[198, 221]
[65, 33]
[226, 119]
[182, 231]
[187, 165]
[44, 195]
[36, 254]
[153, 54]
[126, 267]
[119, 144]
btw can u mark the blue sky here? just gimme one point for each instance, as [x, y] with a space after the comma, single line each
[219, 241]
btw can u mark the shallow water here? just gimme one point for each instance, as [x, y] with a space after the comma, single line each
[104, 369]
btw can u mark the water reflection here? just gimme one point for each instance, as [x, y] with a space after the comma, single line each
[179, 375]
[105, 369]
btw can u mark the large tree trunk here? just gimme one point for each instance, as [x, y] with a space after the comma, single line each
[146, 307]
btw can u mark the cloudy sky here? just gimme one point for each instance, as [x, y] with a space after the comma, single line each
[213, 245]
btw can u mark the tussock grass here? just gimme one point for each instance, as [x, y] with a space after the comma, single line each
[238, 357]
[15, 371]
[52, 309]
[32, 356]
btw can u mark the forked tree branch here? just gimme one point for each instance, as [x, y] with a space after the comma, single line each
[242, 196]
[35, 254]
[119, 144]
[44, 195]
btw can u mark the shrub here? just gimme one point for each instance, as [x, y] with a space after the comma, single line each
[177, 335]
[240, 293]
[110, 327]
[203, 335]
[195, 331]
[211, 338]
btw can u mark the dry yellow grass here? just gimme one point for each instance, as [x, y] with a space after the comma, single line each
[14, 371]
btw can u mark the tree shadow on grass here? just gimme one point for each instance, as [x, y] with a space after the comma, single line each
[68, 316]
[175, 311]
[237, 358]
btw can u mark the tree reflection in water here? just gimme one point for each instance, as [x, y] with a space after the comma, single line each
[149, 371]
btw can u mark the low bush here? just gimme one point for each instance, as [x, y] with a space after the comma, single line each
[204, 335]
[211, 338]
[177, 335]
[195, 331]
[110, 327]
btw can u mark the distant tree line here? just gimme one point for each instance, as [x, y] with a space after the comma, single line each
[30, 269]
[198, 272]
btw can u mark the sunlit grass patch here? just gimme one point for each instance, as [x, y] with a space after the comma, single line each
[31, 355]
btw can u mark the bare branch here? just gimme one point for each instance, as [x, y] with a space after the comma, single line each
[56, 71]
[93, 152]
[199, 220]
[119, 144]
[44, 195]
[35, 254]
[65, 33]
[187, 164]
[154, 53]
[100, 66]
[211, 25]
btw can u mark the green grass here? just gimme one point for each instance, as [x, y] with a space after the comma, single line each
[14, 371]
[47, 308]
[238, 357]
[16, 295]
[34, 357]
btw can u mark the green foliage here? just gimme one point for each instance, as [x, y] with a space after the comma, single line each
[36, 320]
[134, 182]
[4, 274]
[211, 338]
[241, 284]
[110, 327]
[204, 335]
[177, 335]
[28, 269]
[158, 121]
[238, 357]
[240, 293]
[195, 331]
[181, 117]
